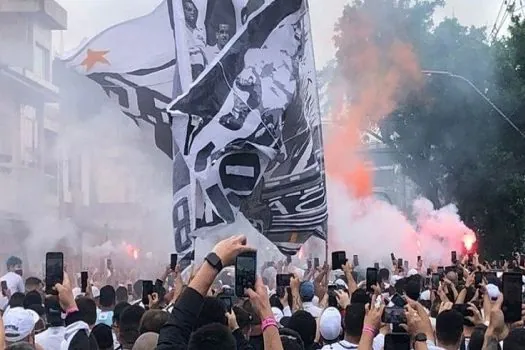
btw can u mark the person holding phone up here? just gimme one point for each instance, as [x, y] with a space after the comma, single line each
[183, 318]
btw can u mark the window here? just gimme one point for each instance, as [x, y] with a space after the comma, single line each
[5, 136]
[29, 136]
[42, 62]
[51, 164]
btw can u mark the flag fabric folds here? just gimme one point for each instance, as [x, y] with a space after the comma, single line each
[249, 130]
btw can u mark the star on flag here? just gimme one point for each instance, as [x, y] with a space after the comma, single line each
[93, 57]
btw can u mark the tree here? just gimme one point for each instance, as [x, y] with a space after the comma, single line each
[447, 138]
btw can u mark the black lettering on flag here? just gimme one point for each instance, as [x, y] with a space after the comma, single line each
[182, 225]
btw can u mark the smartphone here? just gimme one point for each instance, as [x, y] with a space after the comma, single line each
[393, 315]
[245, 272]
[454, 257]
[4, 288]
[147, 289]
[227, 301]
[392, 257]
[54, 271]
[109, 264]
[173, 261]
[441, 270]
[355, 260]
[512, 296]
[376, 266]
[490, 276]
[316, 262]
[522, 260]
[418, 258]
[429, 271]
[338, 260]
[83, 281]
[405, 264]
[371, 279]
[436, 277]
[398, 300]
[130, 289]
[309, 264]
[397, 341]
[399, 263]
[478, 278]
[283, 280]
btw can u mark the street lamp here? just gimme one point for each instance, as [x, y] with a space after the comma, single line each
[500, 112]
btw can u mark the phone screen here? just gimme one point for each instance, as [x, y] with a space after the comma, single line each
[398, 300]
[376, 266]
[338, 260]
[173, 261]
[309, 264]
[512, 297]
[355, 261]
[283, 280]
[418, 258]
[478, 278]
[245, 271]
[316, 262]
[453, 257]
[405, 264]
[429, 271]
[130, 289]
[371, 279]
[109, 264]
[441, 270]
[394, 315]
[83, 281]
[436, 277]
[392, 257]
[399, 263]
[54, 271]
[4, 288]
[397, 341]
[147, 289]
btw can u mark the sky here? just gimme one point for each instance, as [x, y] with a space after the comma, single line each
[89, 17]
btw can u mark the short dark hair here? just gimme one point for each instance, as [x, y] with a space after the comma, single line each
[17, 300]
[129, 325]
[384, 275]
[117, 310]
[212, 311]
[305, 325]
[87, 309]
[449, 327]
[13, 261]
[107, 296]
[137, 289]
[103, 335]
[152, 321]
[20, 346]
[354, 319]
[515, 340]
[413, 287]
[32, 298]
[291, 340]
[359, 296]
[214, 336]
[121, 294]
[477, 338]
[33, 281]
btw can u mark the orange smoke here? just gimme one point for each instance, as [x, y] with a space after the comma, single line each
[371, 79]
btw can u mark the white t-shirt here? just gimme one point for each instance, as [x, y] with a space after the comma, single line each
[315, 311]
[51, 338]
[15, 283]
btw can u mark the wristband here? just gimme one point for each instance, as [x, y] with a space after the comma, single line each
[369, 329]
[268, 322]
[71, 310]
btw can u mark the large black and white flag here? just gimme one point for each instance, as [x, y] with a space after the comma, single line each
[249, 127]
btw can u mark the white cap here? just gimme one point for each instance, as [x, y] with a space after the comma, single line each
[330, 324]
[493, 291]
[340, 283]
[76, 292]
[277, 314]
[412, 272]
[425, 295]
[95, 291]
[19, 323]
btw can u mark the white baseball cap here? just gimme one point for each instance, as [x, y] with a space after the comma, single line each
[330, 324]
[19, 323]
[493, 291]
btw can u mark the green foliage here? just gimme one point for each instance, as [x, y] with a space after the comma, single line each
[448, 139]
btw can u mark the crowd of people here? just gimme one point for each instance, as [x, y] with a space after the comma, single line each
[317, 308]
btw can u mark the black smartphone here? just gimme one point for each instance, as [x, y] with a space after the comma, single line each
[398, 300]
[512, 296]
[376, 266]
[399, 263]
[54, 271]
[147, 289]
[392, 257]
[454, 257]
[397, 341]
[463, 309]
[355, 260]
[283, 279]
[245, 272]
[309, 264]
[109, 264]
[83, 281]
[173, 261]
[436, 277]
[522, 260]
[227, 301]
[478, 278]
[429, 271]
[441, 270]
[316, 262]
[130, 289]
[418, 258]
[4, 288]
[338, 260]
[393, 315]
[371, 279]
[405, 265]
